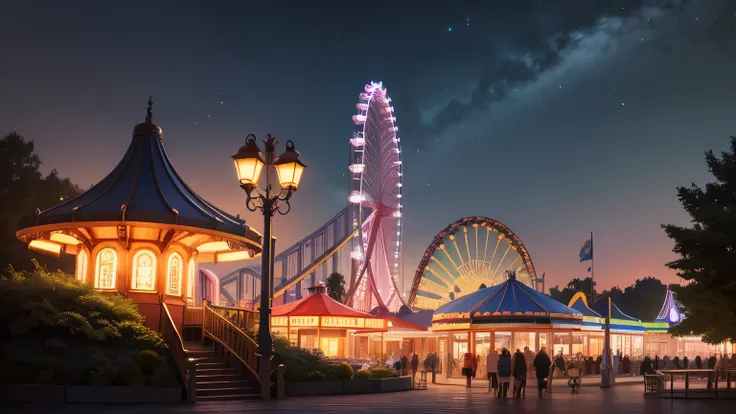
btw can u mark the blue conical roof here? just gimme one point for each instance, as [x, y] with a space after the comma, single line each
[510, 298]
[579, 303]
[144, 187]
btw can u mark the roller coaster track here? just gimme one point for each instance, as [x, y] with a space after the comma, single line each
[309, 256]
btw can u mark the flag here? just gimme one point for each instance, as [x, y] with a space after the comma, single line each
[586, 251]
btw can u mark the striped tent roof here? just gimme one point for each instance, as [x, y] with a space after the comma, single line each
[601, 307]
[510, 298]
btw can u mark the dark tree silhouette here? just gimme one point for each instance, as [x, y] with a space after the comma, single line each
[707, 252]
[576, 285]
[23, 189]
[336, 286]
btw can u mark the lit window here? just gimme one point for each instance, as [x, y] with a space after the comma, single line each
[173, 275]
[144, 271]
[106, 272]
[190, 279]
[82, 262]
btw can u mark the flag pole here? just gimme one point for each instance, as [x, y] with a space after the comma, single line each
[592, 270]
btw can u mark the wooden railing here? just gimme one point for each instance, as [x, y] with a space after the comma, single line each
[193, 316]
[246, 320]
[173, 339]
[230, 336]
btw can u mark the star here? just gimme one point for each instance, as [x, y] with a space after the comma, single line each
[623, 103]
[449, 29]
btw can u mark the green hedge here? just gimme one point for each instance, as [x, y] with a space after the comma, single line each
[55, 330]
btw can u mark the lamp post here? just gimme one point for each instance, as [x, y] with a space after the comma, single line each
[249, 162]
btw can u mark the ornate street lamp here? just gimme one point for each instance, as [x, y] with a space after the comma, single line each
[249, 162]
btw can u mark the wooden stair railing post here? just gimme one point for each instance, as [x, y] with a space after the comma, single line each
[192, 380]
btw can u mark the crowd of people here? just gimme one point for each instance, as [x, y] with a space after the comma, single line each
[502, 368]
[715, 362]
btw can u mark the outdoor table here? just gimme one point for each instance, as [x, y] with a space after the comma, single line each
[686, 373]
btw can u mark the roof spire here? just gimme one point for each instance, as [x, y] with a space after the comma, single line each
[148, 128]
[149, 111]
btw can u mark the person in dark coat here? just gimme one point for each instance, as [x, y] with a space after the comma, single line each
[404, 365]
[414, 365]
[397, 365]
[685, 362]
[676, 361]
[646, 367]
[504, 372]
[518, 371]
[542, 364]
[698, 362]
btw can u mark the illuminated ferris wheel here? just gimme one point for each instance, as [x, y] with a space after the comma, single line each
[375, 202]
[466, 255]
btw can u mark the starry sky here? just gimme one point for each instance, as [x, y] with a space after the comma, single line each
[555, 118]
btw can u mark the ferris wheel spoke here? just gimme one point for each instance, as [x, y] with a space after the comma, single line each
[440, 288]
[485, 248]
[450, 285]
[500, 262]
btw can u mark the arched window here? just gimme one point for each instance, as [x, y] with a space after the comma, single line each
[173, 274]
[82, 262]
[190, 279]
[106, 271]
[144, 271]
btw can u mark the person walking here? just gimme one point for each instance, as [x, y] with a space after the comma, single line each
[504, 373]
[492, 371]
[414, 366]
[518, 371]
[542, 364]
[468, 368]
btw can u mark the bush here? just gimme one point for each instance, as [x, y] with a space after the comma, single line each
[362, 374]
[316, 376]
[377, 373]
[54, 329]
[130, 374]
[148, 361]
[343, 371]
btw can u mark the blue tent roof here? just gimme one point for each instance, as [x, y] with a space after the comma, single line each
[143, 187]
[579, 303]
[511, 298]
[601, 307]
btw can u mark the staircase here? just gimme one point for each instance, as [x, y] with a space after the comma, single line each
[215, 380]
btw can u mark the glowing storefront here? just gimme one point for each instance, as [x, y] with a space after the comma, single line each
[141, 229]
[510, 315]
[318, 321]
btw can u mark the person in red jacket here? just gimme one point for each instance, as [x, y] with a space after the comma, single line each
[469, 366]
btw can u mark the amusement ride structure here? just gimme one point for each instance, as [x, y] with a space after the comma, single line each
[363, 241]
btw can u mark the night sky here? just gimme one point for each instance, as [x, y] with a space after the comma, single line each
[557, 118]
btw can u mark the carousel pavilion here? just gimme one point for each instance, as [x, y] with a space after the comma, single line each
[141, 230]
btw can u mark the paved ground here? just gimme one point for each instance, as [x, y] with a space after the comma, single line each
[626, 399]
[588, 380]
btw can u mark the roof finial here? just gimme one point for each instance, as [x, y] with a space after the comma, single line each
[149, 111]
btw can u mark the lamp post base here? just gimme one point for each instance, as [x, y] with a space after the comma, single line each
[264, 376]
[607, 378]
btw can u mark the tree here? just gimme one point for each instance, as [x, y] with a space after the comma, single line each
[336, 286]
[707, 252]
[576, 285]
[23, 189]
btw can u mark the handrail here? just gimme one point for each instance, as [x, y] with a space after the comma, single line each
[231, 337]
[173, 339]
[245, 319]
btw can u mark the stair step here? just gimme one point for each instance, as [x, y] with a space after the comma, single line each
[218, 377]
[212, 371]
[232, 397]
[234, 383]
[211, 365]
[225, 391]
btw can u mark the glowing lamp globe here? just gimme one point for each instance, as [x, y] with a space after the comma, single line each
[289, 168]
[248, 163]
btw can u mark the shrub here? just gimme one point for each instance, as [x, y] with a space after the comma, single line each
[165, 376]
[316, 376]
[362, 374]
[148, 361]
[377, 373]
[130, 374]
[102, 374]
[343, 371]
